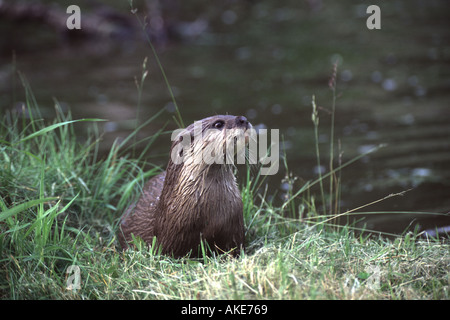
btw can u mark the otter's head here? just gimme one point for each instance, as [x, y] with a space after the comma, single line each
[213, 140]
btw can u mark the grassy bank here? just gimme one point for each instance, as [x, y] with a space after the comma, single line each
[60, 203]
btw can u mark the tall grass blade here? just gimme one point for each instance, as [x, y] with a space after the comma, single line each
[178, 119]
[24, 206]
[53, 127]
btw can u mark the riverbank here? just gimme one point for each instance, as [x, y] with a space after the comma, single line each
[60, 204]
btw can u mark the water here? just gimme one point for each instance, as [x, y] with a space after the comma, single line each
[265, 60]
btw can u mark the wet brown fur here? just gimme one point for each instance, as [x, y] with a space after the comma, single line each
[190, 202]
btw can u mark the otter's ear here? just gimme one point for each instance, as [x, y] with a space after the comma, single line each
[181, 140]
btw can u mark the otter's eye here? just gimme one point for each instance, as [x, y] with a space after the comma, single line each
[218, 124]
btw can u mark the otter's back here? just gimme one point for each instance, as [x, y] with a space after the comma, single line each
[139, 218]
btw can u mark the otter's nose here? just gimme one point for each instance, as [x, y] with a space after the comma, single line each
[242, 121]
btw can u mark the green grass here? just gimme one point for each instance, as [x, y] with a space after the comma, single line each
[60, 203]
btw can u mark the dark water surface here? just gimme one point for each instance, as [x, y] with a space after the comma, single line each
[265, 60]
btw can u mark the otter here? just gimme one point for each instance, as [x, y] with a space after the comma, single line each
[193, 200]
